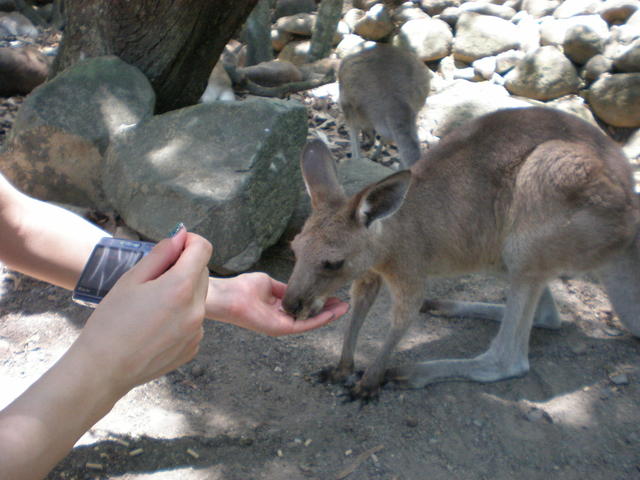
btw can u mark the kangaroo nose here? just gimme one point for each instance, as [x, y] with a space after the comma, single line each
[292, 306]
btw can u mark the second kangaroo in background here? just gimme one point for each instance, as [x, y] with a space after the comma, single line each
[382, 89]
[529, 194]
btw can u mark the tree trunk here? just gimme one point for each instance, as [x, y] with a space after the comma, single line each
[257, 34]
[329, 14]
[175, 43]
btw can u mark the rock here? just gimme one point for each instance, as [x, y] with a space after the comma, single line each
[581, 43]
[21, 70]
[55, 165]
[484, 8]
[528, 34]
[434, 7]
[461, 101]
[350, 44]
[95, 99]
[543, 75]
[539, 8]
[571, 8]
[595, 67]
[616, 99]
[352, 17]
[450, 16]
[196, 165]
[407, 11]
[628, 32]
[285, 8]
[627, 58]
[429, 39]
[554, 31]
[485, 67]
[17, 25]
[616, 12]
[536, 415]
[505, 61]
[279, 39]
[575, 105]
[300, 24]
[375, 25]
[296, 52]
[467, 73]
[482, 36]
[272, 73]
[619, 379]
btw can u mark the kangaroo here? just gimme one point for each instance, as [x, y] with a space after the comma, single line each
[529, 193]
[382, 88]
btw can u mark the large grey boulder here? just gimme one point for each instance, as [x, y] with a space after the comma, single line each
[553, 31]
[480, 36]
[228, 170]
[616, 99]
[544, 74]
[95, 99]
[460, 101]
[375, 24]
[54, 150]
[53, 165]
[430, 39]
[582, 42]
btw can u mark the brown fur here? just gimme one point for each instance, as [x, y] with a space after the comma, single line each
[526, 193]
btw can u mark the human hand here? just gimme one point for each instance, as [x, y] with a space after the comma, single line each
[254, 301]
[151, 321]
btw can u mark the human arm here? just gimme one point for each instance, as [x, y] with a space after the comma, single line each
[42, 240]
[149, 324]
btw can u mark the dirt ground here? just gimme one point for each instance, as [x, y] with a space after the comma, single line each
[249, 406]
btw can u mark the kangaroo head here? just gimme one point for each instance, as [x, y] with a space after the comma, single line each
[340, 240]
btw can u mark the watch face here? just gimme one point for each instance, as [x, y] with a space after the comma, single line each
[105, 267]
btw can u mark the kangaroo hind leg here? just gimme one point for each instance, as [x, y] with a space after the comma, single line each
[507, 357]
[546, 315]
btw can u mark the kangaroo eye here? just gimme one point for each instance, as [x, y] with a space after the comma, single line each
[333, 266]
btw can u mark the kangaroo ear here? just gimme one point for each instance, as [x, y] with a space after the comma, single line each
[383, 198]
[320, 174]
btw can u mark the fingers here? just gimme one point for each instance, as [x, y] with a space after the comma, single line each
[163, 255]
[195, 256]
[278, 289]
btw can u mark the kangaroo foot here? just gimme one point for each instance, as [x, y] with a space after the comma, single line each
[336, 375]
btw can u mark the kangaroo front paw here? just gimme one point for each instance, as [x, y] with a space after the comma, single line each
[364, 393]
